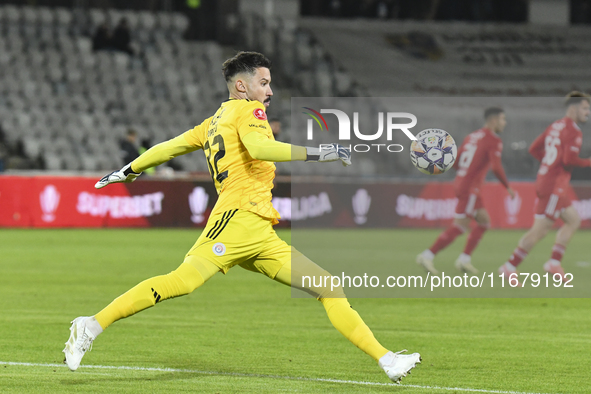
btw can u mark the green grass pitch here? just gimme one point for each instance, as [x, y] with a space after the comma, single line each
[243, 333]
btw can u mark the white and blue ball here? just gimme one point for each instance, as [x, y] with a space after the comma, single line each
[434, 151]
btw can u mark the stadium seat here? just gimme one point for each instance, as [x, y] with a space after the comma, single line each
[63, 16]
[46, 16]
[70, 105]
[71, 162]
[90, 163]
[52, 161]
[12, 14]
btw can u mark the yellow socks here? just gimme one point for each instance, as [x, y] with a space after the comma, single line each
[344, 318]
[182, 281]
[348, 322]
[194, 272]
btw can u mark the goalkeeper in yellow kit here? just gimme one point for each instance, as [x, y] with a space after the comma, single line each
[240, 149]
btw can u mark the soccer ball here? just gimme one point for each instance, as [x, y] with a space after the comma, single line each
[434, 151]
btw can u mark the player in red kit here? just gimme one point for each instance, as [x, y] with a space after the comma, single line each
[557, 149]
[480, 151]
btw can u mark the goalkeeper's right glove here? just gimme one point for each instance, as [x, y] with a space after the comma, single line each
[123, 175]
[329, 152]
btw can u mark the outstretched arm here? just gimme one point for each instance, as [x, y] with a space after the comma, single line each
[187, 142]
[162, 153]
[154, 156]
[260, 147]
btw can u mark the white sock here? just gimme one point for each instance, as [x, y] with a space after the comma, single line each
[554, 262]
[510, 267]
[428, 254]
[465, 257]
[93, 326]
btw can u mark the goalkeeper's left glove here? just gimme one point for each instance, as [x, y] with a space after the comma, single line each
[329, 152]
[123, 175]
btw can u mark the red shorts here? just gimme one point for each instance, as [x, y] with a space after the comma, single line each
[468, 204]
[551, 205]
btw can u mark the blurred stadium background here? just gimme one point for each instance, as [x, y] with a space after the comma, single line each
[66, 108]
[67, 102]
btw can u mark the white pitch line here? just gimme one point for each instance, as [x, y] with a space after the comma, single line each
[252, 375]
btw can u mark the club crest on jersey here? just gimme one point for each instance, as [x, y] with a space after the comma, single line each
[259, 114]
[219, 249]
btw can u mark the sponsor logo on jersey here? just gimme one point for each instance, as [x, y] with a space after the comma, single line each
[49, 199]
[259, 114]
[219, 249]
[260, 126]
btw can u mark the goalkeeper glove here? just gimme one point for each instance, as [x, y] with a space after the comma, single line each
[123, 175]
[329, 152]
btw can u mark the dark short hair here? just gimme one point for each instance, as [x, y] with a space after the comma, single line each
[131, 131]
[246, 62]
[575, 97]
[274, 120]
[492, 111]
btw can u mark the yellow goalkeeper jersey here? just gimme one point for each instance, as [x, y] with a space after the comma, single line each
[241, 181]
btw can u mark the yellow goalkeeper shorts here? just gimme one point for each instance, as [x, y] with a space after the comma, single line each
[238, 237]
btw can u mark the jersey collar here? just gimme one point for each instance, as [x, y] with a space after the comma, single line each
[572, 123]
[490, 132]
[233, 99]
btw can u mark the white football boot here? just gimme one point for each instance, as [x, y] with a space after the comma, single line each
[464, 264]
[426, 262]
[553, 267]
[511, 274]
[78, 344]
[398, 365]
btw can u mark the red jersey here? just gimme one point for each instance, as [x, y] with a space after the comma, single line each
[479, 151]
[557, 149]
